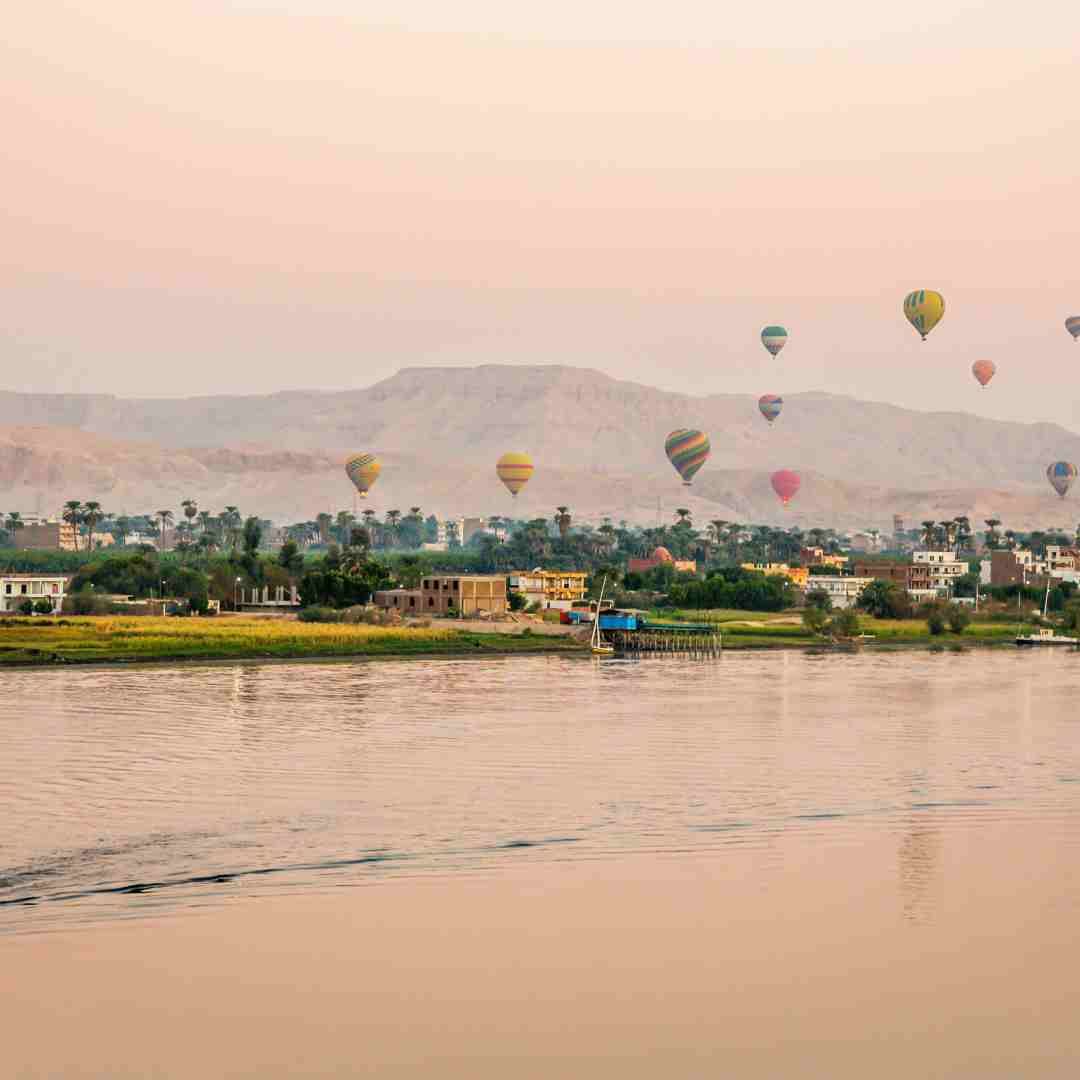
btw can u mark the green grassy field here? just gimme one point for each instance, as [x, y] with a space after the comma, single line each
[769, 629]
[105, 639]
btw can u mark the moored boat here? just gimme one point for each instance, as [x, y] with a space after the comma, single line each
[1044, 635]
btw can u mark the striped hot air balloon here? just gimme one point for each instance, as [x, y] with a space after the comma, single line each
[786, 484]
[774, 338]
[923, 309]
[983, 370]
[770, 406]
[1072, 324]
[363, 470]
[514, 471]
[1061, 475]
[687, 450]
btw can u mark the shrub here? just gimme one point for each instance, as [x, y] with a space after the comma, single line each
[318, 613]
[814, 619]
[844, 623]
[515, 600]
[26, 607]
[959, 618]
[86, 603]
[819, 599]
[44, 606]
[935, 621]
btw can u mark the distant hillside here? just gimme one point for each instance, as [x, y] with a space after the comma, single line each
[580, 420]
[41, 467]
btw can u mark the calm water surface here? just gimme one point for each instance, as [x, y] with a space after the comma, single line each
[130, 792]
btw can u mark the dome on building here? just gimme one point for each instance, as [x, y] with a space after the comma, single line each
[662, 554]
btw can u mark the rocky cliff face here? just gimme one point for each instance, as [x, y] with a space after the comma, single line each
[597, 442]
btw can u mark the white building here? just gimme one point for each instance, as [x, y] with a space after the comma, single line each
[16, 589]
[842, 591]
[945, 568]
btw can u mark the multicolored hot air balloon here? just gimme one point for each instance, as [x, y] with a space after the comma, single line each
[924, 309]
[983, 370]
[363, 470]
[774, 338]
[687, 450]
[1061, 475]
[514, 471]
[1072, 324]
[786, 484]
[770, 406]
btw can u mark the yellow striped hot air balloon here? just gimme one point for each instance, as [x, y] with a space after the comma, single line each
[514, 471]
[923, 309]
[363, 470]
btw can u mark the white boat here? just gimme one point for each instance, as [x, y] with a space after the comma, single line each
[596, 643]
[1044, 635]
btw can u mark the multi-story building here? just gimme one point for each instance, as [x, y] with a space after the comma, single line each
[798, 575]
[16, 589]
[883, 570]
[463, 594]
[945, 568]
[49, 535]
[557, 589]
[815, 556]
[842, 591]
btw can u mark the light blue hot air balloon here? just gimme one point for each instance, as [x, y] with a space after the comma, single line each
[1072, 324]
[774, 338]
[770, 406]
[1061, 475]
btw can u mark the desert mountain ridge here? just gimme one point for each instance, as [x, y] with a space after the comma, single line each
[597, 443]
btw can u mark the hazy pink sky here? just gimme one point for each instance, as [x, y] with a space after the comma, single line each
[206, 197]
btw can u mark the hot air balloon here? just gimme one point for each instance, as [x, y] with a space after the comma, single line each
[786, 484]
[514, 471]
[363, 471]
[774, 338]
[1061, 475]
[1072, 324]
[983, 370]
[924, 309]
[770, 406]
[687, 450]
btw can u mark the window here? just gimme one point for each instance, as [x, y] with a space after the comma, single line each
[22, 589]
[412, 601]
[7, 588]
[431, 601]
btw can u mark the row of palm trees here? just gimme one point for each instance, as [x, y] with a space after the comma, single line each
[197, 527]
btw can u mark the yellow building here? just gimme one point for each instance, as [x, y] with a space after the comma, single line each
[549, 588]
[798, 575]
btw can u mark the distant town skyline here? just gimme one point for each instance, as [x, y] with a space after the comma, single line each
[263, 195]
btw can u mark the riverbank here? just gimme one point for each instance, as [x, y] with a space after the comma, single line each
[97, 640]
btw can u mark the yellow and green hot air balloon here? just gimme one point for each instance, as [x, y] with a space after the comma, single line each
[363, 470]
[923, 309]
[687, 450]
[514, 471]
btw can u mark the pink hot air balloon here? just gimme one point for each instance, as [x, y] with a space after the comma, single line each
[786, 484]
[983, 370]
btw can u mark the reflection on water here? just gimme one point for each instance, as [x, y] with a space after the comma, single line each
[127, 789]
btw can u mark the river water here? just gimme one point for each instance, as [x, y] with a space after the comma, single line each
[880, 803]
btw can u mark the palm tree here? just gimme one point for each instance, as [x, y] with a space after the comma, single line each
[682, 516]
[191, 511]
[452, 535]
[562, 520]
[204, 519]
[992, 538]
[92, 514]
[392, 519]
[166, 517]
[324, 521]
[15, 521]
[73, 515]
[929, 534]
[230, 523]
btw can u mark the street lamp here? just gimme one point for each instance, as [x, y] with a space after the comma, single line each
[235, 602]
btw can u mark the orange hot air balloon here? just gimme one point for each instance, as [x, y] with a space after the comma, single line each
[514, 471]
[786, 484]
[983, 370]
